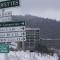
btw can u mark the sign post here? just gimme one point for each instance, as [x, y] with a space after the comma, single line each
[9, 31]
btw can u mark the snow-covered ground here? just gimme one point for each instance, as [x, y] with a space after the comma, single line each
[21, 55]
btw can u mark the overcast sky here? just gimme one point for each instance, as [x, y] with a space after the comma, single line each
[41, 8]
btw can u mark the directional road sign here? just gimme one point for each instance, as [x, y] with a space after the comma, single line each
[12, 31]
[4, 48]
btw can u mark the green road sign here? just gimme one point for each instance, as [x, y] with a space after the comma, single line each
[8, 3]
[4, 48]
[12, 24]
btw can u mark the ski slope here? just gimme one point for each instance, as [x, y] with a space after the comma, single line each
[21, 55]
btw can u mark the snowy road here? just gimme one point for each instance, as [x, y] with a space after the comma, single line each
[21, 55]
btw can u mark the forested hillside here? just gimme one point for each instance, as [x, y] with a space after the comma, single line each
[48, 28]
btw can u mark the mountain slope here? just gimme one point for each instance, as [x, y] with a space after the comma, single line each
[48, 28]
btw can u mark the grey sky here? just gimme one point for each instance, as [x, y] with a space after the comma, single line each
[43, 8]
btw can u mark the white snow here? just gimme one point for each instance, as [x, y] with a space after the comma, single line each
[21, 55]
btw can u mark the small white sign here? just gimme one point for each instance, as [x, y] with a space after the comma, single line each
[7, 18]
[12, 34]
[13, 39]
[12, 29]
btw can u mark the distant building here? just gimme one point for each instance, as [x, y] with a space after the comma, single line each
[32, 37]
[51, 43]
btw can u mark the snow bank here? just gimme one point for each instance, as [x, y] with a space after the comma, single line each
[21, 55]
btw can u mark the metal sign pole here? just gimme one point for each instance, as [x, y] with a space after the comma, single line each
[23, 42]
[2, 15]
[3, 10]
[6, 56]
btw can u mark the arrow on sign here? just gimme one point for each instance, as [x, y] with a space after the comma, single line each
[22, 23]
[22, 28]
